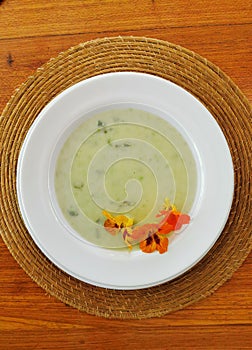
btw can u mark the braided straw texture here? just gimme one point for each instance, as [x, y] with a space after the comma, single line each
[183, 67]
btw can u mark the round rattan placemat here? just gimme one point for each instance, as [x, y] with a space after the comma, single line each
[183, 67]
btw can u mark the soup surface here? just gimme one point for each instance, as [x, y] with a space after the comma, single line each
[125, 161]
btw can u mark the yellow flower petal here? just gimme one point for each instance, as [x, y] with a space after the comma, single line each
[168, 206]
[116, 222]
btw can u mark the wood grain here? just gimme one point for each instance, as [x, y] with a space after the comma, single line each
[35, 18]
[31, 32]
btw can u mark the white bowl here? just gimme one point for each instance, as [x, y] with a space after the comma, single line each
[113, 268]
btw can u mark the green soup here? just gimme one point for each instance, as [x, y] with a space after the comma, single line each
[126, 161]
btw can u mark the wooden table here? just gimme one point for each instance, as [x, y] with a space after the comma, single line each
[31, 32]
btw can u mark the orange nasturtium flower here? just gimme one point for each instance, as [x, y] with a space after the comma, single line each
[172, 218]
[114, 224]
[154, 242]
[148, 236]
[138, 234]
[172, 221]
[151, 237]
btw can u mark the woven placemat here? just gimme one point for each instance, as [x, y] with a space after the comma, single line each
[183, 67]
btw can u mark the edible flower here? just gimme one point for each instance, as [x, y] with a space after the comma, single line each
[138, 234]
[114, 224]
[173, 220]
[150, 237]
[154, 242]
